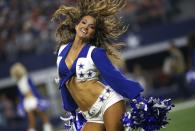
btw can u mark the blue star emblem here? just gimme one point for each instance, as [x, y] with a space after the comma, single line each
[89, 74]
[81, 66]
[102, 99]
[108, 90]
[81, 74]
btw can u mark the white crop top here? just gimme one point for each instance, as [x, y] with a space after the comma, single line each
[85, 68]
[23, 85]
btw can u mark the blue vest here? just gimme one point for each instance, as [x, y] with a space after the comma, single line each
[111, 76]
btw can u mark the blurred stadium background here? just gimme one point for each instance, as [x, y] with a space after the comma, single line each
[27, 36]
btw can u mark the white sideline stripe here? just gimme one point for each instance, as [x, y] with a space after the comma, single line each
[183, 106]
[153, 48]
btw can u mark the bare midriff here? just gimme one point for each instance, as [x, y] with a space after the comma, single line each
[29, 94]
[84, 93]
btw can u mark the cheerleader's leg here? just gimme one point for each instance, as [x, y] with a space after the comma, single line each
[31, 120]
[113, 115]
[46, 125]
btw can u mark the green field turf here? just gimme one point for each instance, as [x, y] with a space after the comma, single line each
[183, 120]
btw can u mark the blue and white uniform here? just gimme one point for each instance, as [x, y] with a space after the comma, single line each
[92, 63]
[32, 102]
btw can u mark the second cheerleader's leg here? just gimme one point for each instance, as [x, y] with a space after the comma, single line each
[30, 103]
[31, 120]
[46, 125]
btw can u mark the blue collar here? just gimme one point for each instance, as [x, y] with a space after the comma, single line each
[82, 53]
[64, 72]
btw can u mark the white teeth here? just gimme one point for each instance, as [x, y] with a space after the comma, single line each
[82, 30]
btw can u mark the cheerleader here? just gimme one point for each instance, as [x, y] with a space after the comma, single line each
[30, 100]
[91, 86]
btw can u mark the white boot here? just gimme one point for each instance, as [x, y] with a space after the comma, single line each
[47, 127]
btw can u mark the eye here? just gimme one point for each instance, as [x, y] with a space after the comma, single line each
[83, 22]
[92, 27]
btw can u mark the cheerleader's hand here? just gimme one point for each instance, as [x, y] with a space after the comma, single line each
[68, 120]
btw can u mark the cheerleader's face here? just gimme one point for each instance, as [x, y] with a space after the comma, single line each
[86, 28]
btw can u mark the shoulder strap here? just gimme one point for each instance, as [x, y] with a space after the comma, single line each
[62, 47]
[89, 53]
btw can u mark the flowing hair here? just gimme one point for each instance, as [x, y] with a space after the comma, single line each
[108, 25]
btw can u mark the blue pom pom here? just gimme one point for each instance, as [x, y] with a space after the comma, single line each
[80, 121]
[149, 114]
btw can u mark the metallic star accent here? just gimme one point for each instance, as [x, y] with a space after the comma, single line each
[102, 99]
[108, 90]
[81, 74]
[89, 74]
[81, 66]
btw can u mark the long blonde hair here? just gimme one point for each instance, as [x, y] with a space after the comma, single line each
[17, 71]
[108, 27]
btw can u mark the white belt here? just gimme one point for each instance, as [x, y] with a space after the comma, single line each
[98, 104]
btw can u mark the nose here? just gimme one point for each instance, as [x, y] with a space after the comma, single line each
[86, 27]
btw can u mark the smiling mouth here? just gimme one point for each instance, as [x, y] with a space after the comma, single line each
[83, 31]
